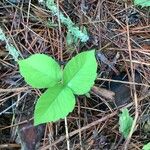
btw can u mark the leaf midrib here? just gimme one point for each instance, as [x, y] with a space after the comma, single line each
[75, 74]
[62, 88]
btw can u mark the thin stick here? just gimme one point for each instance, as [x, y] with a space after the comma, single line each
[4, 111]
[124, 82]
[67, 135]
[10, 146]
[61, 58]
[138, 62]
[80, 137]
[13, 90]
[134, 89]
[28, 14]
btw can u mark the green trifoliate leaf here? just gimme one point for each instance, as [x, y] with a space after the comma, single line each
[142, 3]
[40, 71]
[125, 122]
[80, 72]
[146, 147]
[54, 104]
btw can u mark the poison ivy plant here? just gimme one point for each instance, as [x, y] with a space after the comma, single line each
[42, 71]
[142, 3]
[125, 122]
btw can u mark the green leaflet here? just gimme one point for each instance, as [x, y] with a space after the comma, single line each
[54, 104]
[125, 122]
[142, 3]
[40, 71]
[146, 147]
[80, 72]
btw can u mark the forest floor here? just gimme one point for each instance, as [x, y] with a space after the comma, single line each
[120, 34]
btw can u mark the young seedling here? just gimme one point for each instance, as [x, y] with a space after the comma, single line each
[125, 122]
[41, 71]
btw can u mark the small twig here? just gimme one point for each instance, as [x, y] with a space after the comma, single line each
[4, 111]
[15, 125]
[124, 82]
[13, 90]
[80, 136]
[10, 146]
[27, 22]
[67, 135]
[138, 62]
[134, 89]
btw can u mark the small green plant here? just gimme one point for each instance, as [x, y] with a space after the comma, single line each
[125, 122]
[41, 71]
[143, 3]
[146, 147]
